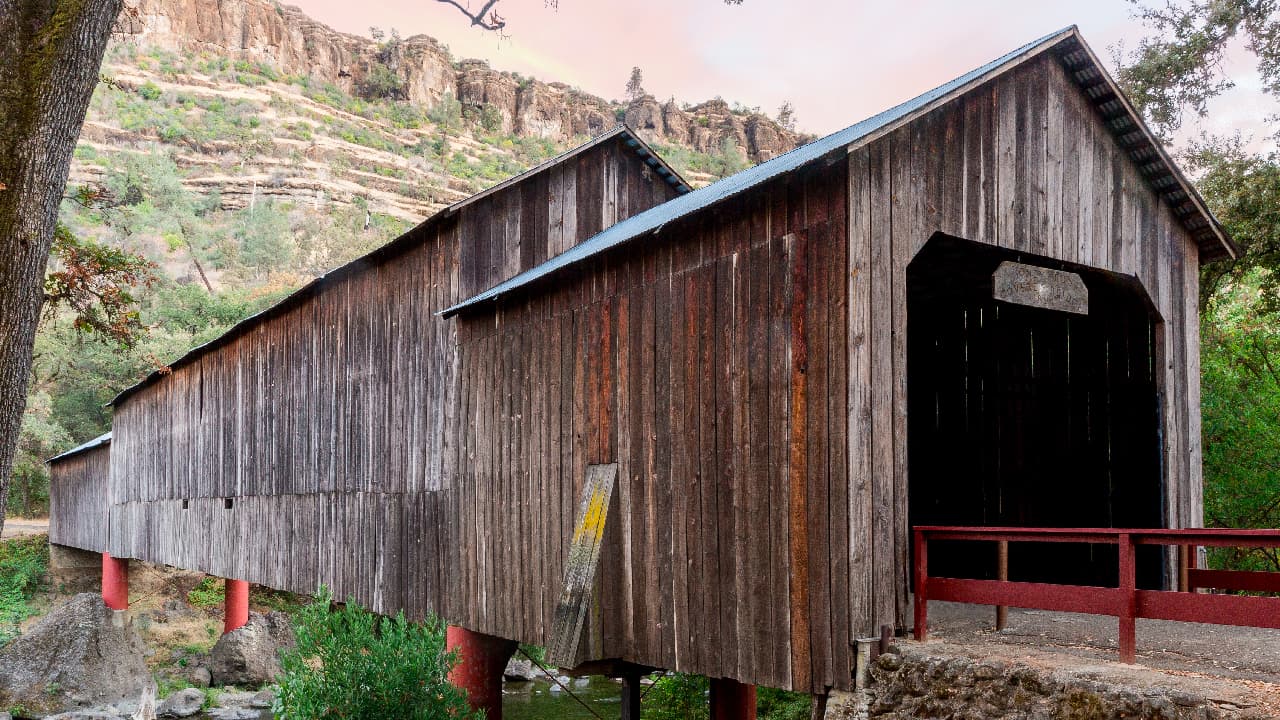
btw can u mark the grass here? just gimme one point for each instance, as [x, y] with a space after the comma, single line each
[209, 593]
[23, 564]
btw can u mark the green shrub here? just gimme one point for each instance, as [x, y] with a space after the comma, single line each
[774, 704]
[350, 663]
[676, 696]
[23, 562]
[209, 593]
[149, 91]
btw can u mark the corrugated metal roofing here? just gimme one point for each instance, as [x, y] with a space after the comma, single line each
[103, 439]
[631, 140]
[652, 220]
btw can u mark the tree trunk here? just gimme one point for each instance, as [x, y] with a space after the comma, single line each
[50, 55]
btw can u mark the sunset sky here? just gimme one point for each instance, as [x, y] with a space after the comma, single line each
[836, 61]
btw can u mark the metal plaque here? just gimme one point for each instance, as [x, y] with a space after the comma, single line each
[1040, 287]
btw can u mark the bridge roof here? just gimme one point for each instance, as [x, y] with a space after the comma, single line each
[103, 439]
[408, 239]
[1086, 70]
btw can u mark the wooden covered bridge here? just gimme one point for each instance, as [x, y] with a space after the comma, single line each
[653, 428]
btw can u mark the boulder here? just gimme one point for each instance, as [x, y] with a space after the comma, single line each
[183, 703]
[250, 655]
[264, 699]
[81, 655]
[199, 676]
[518, 669]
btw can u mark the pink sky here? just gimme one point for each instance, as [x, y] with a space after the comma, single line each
[836, 61]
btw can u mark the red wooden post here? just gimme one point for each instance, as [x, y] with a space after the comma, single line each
[481, 660]
[1129, 601]
[1193, 564]
[922, 586]
[236, 605]
[732, 700]
[115, 582]
[1002, 574]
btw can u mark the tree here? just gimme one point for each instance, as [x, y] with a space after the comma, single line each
[787, 116]
[635, 85]
[1180, 67]
[50, 56]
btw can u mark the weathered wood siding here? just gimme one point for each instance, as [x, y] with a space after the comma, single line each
[709, 362]
[318, 445]
[78, 499]
[1023, 162]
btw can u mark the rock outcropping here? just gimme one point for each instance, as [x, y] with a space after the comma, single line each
[81, 655]
[296, 44]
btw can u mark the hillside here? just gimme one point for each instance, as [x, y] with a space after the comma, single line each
[244, 148]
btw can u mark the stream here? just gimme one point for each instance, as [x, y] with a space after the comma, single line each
[542, 699]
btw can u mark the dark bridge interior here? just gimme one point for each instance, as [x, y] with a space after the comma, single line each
[1028, 417]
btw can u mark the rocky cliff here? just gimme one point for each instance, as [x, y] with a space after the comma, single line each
[287, 38]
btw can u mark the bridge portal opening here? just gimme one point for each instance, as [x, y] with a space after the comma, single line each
[1029, 416]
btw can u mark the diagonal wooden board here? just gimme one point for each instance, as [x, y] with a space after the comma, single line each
[580, 569]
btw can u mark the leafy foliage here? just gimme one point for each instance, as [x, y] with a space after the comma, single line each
[23, 562]
[96, 282]
[1241, 419]
[208, 593]
[1180, 67]
[1244, 191]
[676, 696]
[350, 663]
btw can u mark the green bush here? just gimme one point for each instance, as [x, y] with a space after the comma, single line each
[23, 562]
[676, 696]
[350, 663]
[774, 704]
[209, 593]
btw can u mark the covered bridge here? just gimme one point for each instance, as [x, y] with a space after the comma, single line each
[978, 307]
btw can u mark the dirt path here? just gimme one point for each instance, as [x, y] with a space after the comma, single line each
[13, 527]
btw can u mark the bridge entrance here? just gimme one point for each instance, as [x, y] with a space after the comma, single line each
[1031, 416]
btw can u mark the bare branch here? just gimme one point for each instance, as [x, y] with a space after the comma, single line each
[492, 22]
[489, 19]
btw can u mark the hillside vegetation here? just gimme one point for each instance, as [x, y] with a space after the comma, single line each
[239, 183]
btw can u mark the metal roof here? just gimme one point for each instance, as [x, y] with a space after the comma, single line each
[1081, 63]
[409, 239]
[103, 439]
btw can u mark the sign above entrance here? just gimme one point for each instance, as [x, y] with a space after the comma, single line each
[1040, 287]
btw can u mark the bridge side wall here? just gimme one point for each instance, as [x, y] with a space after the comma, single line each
[318, 445]
[78, 499]
[708, 362]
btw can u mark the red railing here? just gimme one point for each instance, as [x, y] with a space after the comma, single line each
[1126, 602]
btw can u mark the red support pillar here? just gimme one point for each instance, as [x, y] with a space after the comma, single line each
[236, 605]
[732, 700]
[481, 660]
[115, 582]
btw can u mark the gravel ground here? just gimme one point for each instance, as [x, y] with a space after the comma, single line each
[1215, 650]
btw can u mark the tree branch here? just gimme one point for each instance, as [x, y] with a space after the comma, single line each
[493, 22]
[496, 22]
